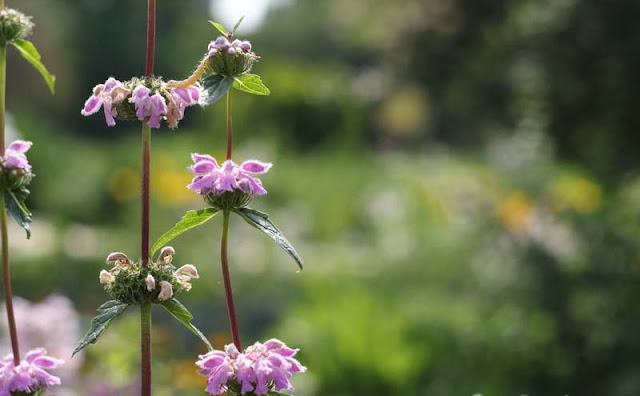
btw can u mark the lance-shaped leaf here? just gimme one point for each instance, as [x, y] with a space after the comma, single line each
[238, 24]
[262, 222]
[219, 26]
[216, 87]
[106, 314]
[14, 202]
[31, 54]
[251, 83]
[182, 314]
[192, 218]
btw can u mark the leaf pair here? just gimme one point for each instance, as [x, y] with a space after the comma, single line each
[223, 30]
[217, 86]
[110, 310]
[31, 54]
[255, 218]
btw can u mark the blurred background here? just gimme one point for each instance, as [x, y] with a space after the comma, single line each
[460, 176]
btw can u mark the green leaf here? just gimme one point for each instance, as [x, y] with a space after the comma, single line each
[251, 83]
[238, 24]
[14, 202]
[261, 221]
[31, 54]
[192, 218]
[182, 314]
[106, 314]
[216, 87]
[219, 26]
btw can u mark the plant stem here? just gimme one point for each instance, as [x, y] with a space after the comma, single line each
[229, 126]
[1, 4]
[224, 260]
[151, 37]
[6, 268]
[145, 347]
[145, 308]
[146, 151]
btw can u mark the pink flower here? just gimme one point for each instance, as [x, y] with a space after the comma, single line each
[149, 106]
[112, 92]
[212, 178]
[14, 156]
[30, 375]
[179, 100]
[259, 369]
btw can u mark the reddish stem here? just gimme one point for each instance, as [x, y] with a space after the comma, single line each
[224, 260]
[151, 37]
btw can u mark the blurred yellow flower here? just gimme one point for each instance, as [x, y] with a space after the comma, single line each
[514, 211]
[185, 376]
[124, 184]
[579, 194]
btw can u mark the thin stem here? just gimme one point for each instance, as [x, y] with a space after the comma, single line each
[229, 127]
[224, 260]
[146, 150]
[6, 282]
[151, 37]
[145, 347]
[6, 268]
[1, 4]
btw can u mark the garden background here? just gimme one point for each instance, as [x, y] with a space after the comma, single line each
[460, 176]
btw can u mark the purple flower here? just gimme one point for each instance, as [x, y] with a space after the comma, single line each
[212, 178]
[14, 156]
[221, 44]
[106, 95]
[179, 100]
[258, 369]
[30, 375]
[152, 106]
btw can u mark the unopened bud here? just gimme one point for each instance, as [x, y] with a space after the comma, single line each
[14, 25]
[166, 291]
[151, 282]
[105, 277]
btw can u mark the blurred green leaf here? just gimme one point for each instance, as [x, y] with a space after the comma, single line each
[216, 87]
[31, 54]
[251, 83]
[262, 222]
[219, 26]
[238, 24]
[192, 218]
[106, 314]
[14, 202]
[182, 314]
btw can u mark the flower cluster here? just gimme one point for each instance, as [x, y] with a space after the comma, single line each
[14, 25]
[230, 58]
[151, 100]
[16, 170]
[30, 375]
[259, 369]
[159, 281]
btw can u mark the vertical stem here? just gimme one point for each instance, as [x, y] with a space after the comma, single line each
[1, 4]
[229, 126]
[224, 260]
[151, 37]
[6, 269]
[145, 347]
[146, 152]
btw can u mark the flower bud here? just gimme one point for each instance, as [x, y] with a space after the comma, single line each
[187, 270]
[151, 282]
[14, 25]
[166, 255]
[105, 277]
[230, 59]
[166, 291]
[118, 259]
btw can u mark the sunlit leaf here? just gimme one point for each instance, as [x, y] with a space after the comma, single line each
[251, 83]
[182, 314]
[262, 222]
[31, 54]
[106, 314]
[192, 218]
[17, 209]
[238, 24]
[219, 26]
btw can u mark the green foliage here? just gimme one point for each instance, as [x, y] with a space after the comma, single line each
[216, 87]
[31, 54]
[107, 312]
[182, 315]
[262, 222]
[191, 219]
[220, 27]
[251, 83]
[14, 201]
[237, 25]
